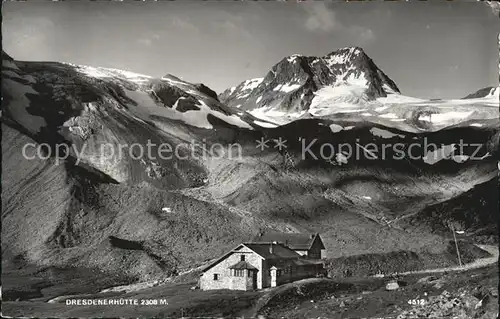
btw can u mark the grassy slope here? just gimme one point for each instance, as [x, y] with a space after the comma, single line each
[368, 298]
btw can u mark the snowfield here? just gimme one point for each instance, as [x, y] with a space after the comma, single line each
[336, 128]
[342, 158]
[445, 117]
[389, 116]
[198, 118]
[147, 106]
[346, 97]
[340, 98]
[276, 116]
[251, 84]
[398, 99]
[19, 101]
[100, 72]
[265, 124]
[384, 133]
[287, 87]
[445, 152]
[19, 104]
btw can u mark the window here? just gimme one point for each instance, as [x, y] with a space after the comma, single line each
[314, 255]
[242, 257]
[239, 272]
[216, 276]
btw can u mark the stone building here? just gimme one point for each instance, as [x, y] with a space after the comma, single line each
[252, 266]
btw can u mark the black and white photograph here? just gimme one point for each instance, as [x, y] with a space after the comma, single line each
[250, 159]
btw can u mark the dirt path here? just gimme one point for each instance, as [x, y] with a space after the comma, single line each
[478, 263]
[269, 293]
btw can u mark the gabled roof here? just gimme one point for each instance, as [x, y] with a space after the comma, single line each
[263, 250]
[295, 241]
[242, 265]
[279, 251]
[235, 249]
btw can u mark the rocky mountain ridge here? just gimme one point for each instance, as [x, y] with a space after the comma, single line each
[291, 84]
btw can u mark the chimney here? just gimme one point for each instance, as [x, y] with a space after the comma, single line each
[312, 236]
[271, 250]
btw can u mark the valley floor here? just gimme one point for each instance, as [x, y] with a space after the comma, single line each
[473, 290]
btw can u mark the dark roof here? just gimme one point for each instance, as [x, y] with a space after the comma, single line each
[280, 264]
[295, 241]
[242, 265]
[300, 262]
[278, 251]
[221, 258]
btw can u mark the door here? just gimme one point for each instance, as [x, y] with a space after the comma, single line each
[254, 280]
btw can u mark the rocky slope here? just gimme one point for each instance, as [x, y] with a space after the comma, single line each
[93, 207]
[71, 203]
[484, 92]
[474, 212]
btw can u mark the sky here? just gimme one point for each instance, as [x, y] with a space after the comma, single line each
[431, 49]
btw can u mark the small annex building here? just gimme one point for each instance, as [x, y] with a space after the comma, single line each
[308, 245]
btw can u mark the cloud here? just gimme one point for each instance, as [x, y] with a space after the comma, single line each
[364, 35]
[321, 18]
[185, 24]
[149, 40]
[176, 24]
[145, 41]
[25, 36]
[231, 28]
[224, 22]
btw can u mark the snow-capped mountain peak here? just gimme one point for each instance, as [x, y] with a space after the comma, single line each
[343, 55]
[293, 58]
[291, 84]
